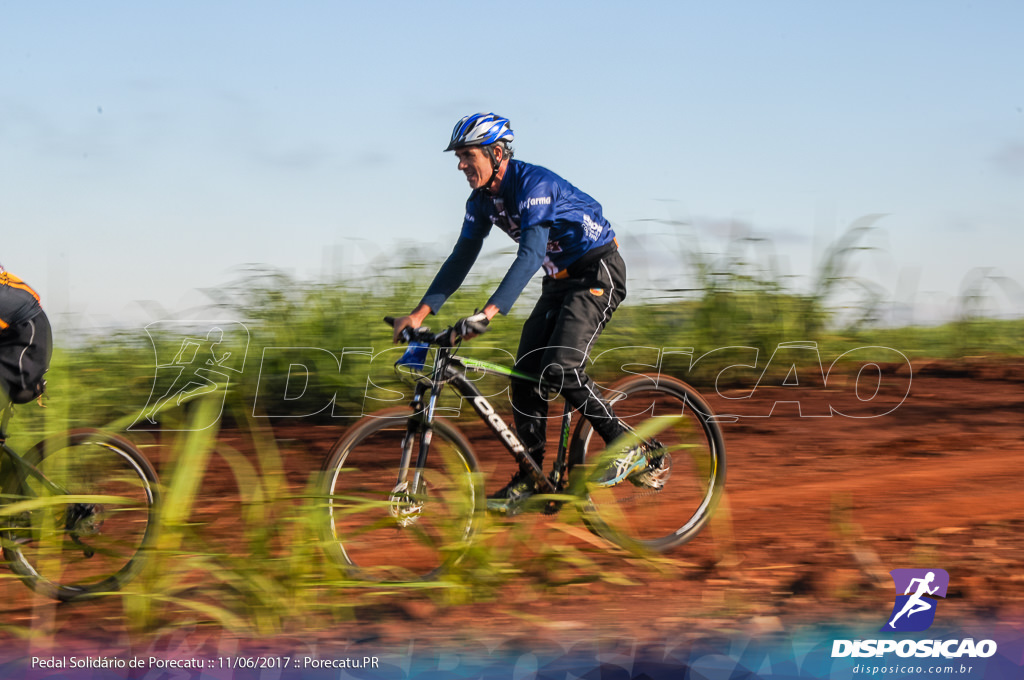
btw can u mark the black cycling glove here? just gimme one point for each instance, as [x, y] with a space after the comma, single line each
[472, 325]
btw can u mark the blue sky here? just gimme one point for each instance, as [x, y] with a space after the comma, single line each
[148, 150]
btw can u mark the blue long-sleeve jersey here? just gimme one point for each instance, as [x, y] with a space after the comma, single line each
[554, 223]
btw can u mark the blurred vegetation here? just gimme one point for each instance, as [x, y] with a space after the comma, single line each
[319, 350]
[334, 330]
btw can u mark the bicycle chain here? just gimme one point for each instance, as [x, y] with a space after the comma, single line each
[638, 496]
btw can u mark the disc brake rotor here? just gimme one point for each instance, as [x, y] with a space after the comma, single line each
[404, 506]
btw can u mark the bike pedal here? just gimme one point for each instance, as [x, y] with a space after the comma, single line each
[503, 508]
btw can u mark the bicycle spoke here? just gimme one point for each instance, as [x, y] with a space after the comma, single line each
[380, 530]
[692, 471]
[87, 541]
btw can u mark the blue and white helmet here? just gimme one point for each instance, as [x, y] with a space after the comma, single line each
[480, 129]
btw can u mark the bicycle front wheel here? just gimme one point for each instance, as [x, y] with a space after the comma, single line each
[383, 523]
[642, 518]
[82, 531]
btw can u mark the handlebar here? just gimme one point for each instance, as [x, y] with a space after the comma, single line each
[446, 338]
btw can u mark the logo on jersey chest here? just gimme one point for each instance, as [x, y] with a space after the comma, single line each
[531, 202]
[509, 223]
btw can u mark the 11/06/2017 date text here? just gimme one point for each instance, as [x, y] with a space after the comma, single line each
[257, 662]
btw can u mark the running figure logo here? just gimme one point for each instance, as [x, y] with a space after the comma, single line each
[915, 608]
[202, 363]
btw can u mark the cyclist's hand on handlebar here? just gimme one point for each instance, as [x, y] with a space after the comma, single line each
[411, 321]
[401, 324]
[469, 327]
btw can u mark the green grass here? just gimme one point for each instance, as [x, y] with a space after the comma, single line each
[277, 579]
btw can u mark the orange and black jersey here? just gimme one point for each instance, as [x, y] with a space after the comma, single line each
[18, 302]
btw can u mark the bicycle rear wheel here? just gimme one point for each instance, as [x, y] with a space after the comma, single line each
[383, 529]
[643, 519]
[88, 539]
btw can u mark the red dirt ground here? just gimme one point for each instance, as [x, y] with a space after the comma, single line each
[818, 510]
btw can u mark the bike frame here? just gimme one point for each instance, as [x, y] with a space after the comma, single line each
[449, 369]
[22, 467]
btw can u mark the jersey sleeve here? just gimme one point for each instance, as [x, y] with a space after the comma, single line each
[453, 272]
[533, 244]
[475, 227]
[537, 199]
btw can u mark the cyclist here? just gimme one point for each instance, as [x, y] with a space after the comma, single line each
[561, 230]
[25, 341]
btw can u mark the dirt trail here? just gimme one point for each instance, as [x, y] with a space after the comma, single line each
[818, 511]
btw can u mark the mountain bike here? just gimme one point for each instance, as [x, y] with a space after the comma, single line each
[402, 489]
[76, 512]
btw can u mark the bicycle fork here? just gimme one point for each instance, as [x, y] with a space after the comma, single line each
[408, 496]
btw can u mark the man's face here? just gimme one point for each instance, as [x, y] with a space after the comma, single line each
[475, 164]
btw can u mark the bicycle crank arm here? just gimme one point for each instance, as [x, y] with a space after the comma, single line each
[86, 550]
